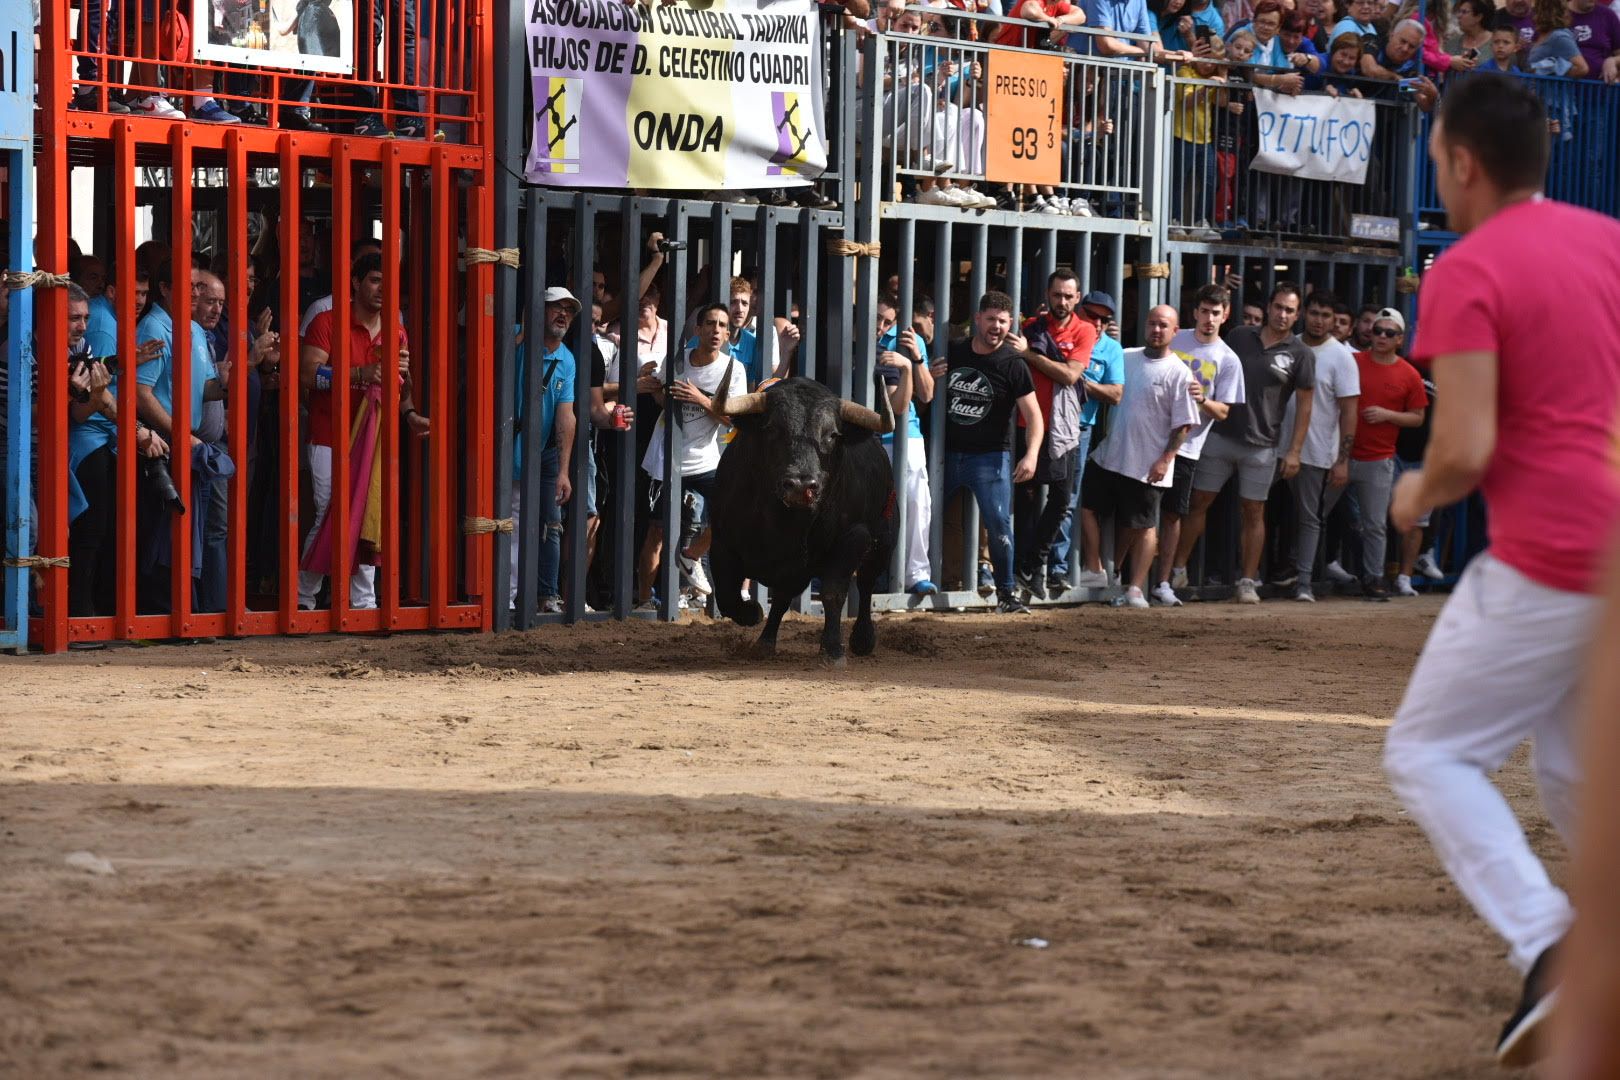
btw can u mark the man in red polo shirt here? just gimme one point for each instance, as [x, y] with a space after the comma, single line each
[1056, 14]
[1392, 398]
[366, 369]
[1057, 347]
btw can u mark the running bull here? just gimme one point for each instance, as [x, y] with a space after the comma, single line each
[804, 491]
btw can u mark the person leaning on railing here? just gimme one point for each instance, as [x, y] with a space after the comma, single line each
[1278, 69]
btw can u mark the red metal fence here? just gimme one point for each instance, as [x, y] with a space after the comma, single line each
[428, 201]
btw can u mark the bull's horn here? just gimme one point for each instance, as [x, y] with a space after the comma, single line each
[741, 406]
[861, 416]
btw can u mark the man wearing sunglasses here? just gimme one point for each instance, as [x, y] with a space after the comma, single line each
[1392, 398]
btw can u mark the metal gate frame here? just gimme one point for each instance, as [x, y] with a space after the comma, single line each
[16, 153]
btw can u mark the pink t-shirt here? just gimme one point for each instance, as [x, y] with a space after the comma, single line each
[1539, 285]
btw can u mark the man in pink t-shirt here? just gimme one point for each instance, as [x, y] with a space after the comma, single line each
[1527, 396]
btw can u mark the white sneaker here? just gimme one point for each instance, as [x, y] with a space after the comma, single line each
[1081, 207]
[1247, 591]
[1403, 586]
[1093, 579]
[1303, 594]
[1131, 597]
[1178, 577]
[1429, 568]
[1337, 574]
[1052, 208]
[936, 196]
[1165, 595]
[551, 605]
[978, 200]
[159, 106]
[1062, 203]
[693, 574]
[1038, 204]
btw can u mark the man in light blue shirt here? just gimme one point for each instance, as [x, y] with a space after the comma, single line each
[1103, 382]
[556, 367]
[156, 376]
[903, 360]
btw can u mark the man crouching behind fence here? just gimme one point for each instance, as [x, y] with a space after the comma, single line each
[366, 366]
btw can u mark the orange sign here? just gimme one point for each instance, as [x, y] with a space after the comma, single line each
[1024, 117]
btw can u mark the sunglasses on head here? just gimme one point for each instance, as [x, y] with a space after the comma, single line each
[1384, 331]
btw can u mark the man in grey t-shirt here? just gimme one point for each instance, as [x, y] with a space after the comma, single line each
[1277, 366]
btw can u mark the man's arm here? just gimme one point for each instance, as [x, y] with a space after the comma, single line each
[1377, 415]
[1303, 400]
[1339, 475]
[565, 426]
[601, 415]
[1062, 372]
[1461, 441]
[1034, 432]
[1112, 393]
[1168, 458]
[150, 410]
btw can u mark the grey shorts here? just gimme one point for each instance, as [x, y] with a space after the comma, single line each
[1255, 466]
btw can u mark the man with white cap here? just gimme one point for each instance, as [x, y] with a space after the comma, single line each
[1392, 397]
[556, 367]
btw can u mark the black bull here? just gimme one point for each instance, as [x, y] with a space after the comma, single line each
[804, 491]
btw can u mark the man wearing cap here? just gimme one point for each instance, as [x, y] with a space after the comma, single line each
[1392, 398]
[1060, 343]
[556, 367]
[1102, 382]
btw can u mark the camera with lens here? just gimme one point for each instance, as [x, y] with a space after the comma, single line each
[156, 471]
[667, 246]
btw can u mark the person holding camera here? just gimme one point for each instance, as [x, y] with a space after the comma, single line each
[92, 445]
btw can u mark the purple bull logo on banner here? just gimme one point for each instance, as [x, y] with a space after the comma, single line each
[674, 97]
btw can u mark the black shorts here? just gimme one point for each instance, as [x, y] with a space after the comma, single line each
[700, 484]
[1133, 504]
[1178, 500]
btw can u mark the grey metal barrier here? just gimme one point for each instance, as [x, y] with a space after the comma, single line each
[925, 92]
[1210, 141]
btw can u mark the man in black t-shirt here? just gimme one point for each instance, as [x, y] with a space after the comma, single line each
[984, 379]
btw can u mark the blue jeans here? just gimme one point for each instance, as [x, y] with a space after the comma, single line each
[989, 477]
[1059, 564]
[211, 586]
[551, 527]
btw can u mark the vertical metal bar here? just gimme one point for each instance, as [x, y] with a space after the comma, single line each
[808, 361]
[236, 244]
[765, 297]
[674, 437]
[902, 433]
[574, 515]
[624, 442]
[479, 309]
[181, 371]
[343, 363]
[970, 506]
[719, 262]
[19, 374]
[414, 575]
[50, 315]
[506, 145]
[531, 516]
[289, 176]
[939, 348]
[391, 576]
[443, 406]
[124, 262]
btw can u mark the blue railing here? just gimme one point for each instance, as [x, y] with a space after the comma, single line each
[1585, 165]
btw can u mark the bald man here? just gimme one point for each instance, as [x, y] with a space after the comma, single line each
[1136, 463]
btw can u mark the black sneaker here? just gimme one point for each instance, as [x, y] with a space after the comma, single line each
[1521, 1043]
[1375, 590]
[410, 129]
[1057, 585]
[300, 120]
[1032, 583]
[372, 127]
[1011, 605]
[811, 199]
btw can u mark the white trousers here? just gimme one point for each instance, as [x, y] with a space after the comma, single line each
[1502, 665]
[363, 579]
[919, 513]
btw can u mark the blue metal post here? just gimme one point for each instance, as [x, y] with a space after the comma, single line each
[16, 146]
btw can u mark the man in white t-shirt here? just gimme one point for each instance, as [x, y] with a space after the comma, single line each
[1324, 459]
[698, 375]
[1136, 463]
[1217, 386]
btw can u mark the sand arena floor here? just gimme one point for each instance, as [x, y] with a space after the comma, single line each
[630, 850]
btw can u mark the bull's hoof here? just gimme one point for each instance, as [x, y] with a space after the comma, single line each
[748, 614]
[863, 639]
[836, 663]
[763, 650]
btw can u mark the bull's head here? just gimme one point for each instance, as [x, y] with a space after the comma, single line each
[809, 430]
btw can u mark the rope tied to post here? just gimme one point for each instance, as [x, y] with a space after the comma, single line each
[1152, 271]
[39, 562]
[478, 526]
[16, 280]
[854, 249]
[477, 256]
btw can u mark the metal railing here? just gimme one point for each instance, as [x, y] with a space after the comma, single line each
[1211, 141]
[926, 94]
[1584, 120]
[405, 66]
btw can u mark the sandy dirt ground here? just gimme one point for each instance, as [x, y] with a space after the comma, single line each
[630, 851]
